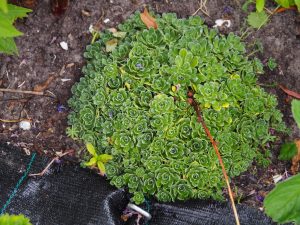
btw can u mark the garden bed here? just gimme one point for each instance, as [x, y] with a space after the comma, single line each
[41, 57]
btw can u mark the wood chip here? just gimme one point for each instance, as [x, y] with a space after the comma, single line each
[296, 159]
[41, 87]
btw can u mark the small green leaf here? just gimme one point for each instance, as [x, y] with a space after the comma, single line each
[297, 3]
[296, 111]
[288, 151]
[101, 166]
[260, 4]
[282, 203]
[3, 5]
[272, 64]
[15, 12]
[284, 3]
[91, 149]
[105, 158]
[257, 19]
[92, 162]
[8, 46]
[183, 52]
[7, 29]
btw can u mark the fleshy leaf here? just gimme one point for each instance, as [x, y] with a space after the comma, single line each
[296, 111]
[282, 203]
[288, 151]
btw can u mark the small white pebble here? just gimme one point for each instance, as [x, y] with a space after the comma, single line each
[25, 125]
[65, 79]
[91, 28]
[277, 178]
[106, 20]
[64, 45]
[220, 22]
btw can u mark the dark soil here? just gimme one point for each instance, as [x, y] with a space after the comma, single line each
[40, 56]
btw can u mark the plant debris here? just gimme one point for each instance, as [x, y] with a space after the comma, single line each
[41, 87]
[148, 20]
[289, 92]
[296, 159]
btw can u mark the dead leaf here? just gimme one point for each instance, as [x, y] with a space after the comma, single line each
[111, 45]
[148, 20]
[296, 159]
[289, 92]
[112, 30]
[119, 34]
[282, 9]
[41, 87]
[85, 13]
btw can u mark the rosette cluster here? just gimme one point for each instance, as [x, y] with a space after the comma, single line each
[131, 104]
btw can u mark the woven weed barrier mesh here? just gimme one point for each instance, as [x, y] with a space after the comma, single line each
[68, 194]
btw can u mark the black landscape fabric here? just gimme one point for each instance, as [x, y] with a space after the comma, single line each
[70, 195]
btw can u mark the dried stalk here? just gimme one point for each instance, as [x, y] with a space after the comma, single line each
[21, 91]
[12, 121]
[193, 103]
[48, 166]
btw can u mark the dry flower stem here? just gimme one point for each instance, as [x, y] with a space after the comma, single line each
[21, 91]
[193, 103]
[202, 8]
[48, 166]
[11, 121]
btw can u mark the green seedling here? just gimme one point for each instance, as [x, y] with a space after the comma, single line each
[97, 160]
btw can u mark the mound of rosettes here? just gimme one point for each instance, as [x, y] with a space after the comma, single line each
[132, 104]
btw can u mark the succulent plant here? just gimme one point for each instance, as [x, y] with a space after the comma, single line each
[7, 219]
[131, 104]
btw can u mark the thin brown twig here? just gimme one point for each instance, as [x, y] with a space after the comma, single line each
[21, 91]
[12, 121]
[202, 8]
[196, 107]
[48, 166]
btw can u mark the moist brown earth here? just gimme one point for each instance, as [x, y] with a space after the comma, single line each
[40, 57]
